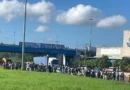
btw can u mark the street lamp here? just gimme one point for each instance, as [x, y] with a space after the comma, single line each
[24, 30]
[91, 31]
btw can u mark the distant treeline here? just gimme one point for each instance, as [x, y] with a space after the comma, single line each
[17, 57]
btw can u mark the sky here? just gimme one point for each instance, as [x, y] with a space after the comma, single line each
[66, 21]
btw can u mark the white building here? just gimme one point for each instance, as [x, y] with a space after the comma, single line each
[116, 52]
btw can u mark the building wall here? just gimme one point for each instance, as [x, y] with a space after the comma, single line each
[98, 52]
[116, 51]
[126, 39]
[109, 51]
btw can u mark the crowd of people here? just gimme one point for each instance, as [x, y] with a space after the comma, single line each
[79, 71]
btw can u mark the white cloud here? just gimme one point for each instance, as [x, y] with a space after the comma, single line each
[42, 11]
[79, 15]
[41, 29]
[44, 19]
[10, 9]
[111, 22]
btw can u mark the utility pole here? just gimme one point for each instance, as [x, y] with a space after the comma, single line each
[91, 32]
[1, 35]
[14, 37]
[86, 50]
[14, 41]
[57, 40]
[24, 30]
[85, 53]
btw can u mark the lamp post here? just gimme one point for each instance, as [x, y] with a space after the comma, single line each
[91, 32]
[24, 30]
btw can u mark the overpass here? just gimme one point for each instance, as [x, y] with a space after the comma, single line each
[67, 54]
[18, 49]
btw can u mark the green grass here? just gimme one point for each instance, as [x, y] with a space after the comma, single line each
[22, 80]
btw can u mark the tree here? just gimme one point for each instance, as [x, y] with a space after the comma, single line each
[116, 63]
[15, 59]
[71, 61]
[100, 62]
[103, 62]
[75, 63]
[124, 63]
[4, 54]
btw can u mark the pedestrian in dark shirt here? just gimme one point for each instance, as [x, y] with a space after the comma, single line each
[49, 68]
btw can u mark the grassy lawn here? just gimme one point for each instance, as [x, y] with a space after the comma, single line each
[22, 80]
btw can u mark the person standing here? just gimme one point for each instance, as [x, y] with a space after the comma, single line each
[123, 77]
[114, 75]
[63, 69]
[27, 66]
[49, 68]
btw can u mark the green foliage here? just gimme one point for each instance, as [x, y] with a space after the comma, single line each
[100, 62]
[104, 62]
[124, 63]
[4, 54]
[16, 57]
[116, 63]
